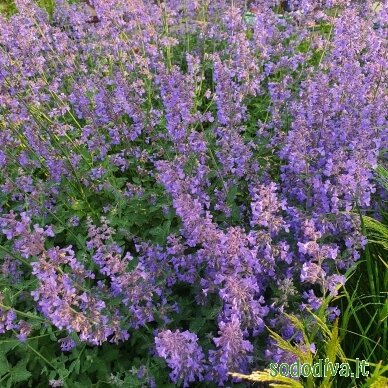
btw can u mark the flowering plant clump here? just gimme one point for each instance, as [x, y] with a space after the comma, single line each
[176, 176]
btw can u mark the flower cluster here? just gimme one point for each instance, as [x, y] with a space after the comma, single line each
[182, 354]
[162, 159]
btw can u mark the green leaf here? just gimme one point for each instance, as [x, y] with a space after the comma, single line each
[196, 325]
[161, 232]
[75, 366]
[58, 229]
[4, 365]
[19, 372]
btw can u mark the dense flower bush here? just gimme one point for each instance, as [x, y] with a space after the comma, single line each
[176, 175]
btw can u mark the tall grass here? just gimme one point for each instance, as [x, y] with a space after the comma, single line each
[364, 327]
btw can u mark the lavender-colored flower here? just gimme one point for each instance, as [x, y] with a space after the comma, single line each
[182, 354]
[7, 320]
[275, 354]
[334, 312]
[56, 383]
[313, 302]
[11, 268]
[333, 283]
[312, 273]
[24, 329]
[74, 221]
[233, 351]
[67, 344]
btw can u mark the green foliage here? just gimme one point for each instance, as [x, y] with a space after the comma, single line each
[48, 5]
[7, 7]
